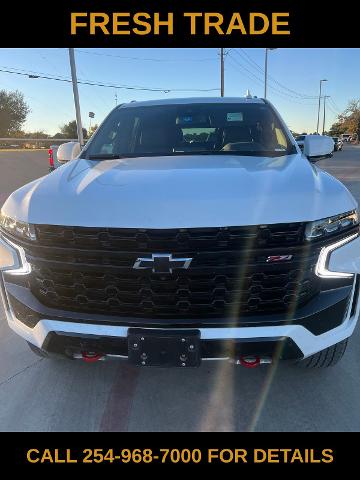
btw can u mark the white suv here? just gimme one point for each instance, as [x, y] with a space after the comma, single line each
[186, 230]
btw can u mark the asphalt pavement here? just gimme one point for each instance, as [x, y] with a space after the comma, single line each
[62, 395]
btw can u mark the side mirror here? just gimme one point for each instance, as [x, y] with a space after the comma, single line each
[317, 147]
[68, 151]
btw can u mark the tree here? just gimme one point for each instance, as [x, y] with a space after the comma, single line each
[13, 112]
[37, 134]
[92, 130]
[337, 129]
[352, 114]
[348, 121]
[59, 135]
[69, 130]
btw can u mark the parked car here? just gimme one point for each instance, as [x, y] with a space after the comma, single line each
[338, 144]
[346, 137]
[185, 230]
[300, 140]
[53, 160]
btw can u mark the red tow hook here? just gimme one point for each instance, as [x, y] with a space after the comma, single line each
[91, 357]
[249, 362]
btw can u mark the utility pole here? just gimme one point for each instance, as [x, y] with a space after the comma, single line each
[222, 71]
[76, 97]
[318, 117]
[266, 69]
[325, 97]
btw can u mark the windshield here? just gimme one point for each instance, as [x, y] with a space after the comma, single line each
[234, 128]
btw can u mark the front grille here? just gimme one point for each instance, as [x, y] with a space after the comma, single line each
[170, 240]
[91, 270]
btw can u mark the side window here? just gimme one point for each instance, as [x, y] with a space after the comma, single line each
[281, 139]
[134, 136]
[125, 135]
[106, 143]
[109, 146]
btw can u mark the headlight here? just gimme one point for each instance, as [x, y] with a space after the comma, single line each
[331, 225]
[321, 268]
[17, 228]
[13, 259]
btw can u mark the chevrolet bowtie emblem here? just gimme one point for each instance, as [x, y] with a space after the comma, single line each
[161, 263]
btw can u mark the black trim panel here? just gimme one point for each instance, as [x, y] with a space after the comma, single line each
[324, 312]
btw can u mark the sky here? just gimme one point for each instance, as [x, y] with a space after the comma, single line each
[293, 80]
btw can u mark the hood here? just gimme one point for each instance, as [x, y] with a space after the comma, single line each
[181, 192]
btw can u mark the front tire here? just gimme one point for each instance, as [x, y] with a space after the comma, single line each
[326, 358]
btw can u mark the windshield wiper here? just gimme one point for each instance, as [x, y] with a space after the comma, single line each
[116, 156]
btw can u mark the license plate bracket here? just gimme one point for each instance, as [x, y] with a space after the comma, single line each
[164, 348]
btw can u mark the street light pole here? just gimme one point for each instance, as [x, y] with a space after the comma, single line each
[323, 129]
[76, 97]
[222, 82]
[266, 69]
[318, 117]
[91, 115]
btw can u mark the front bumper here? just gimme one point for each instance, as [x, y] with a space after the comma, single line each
[287, 339]
[322, 322]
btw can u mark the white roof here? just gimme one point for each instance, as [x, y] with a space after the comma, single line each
[181, 101]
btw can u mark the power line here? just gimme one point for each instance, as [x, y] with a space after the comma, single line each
[45, 76]
[246, 69]
[27, 71]
[251, 62]
[91, 99]
[261, 82]
[236, 64]
[335, 106]
[275, 92]
[331, 109]
[159, 60]
[260, 69]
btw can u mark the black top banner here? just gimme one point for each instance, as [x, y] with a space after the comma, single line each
[180, 23]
